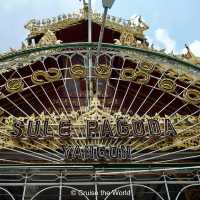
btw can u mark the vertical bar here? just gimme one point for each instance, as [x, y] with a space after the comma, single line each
[89, 55]
[25, 185]
[131, 187]
[96, 188]
[102, 31]
[198, 177]
[89, 21]
[60, 188]
[166, 187]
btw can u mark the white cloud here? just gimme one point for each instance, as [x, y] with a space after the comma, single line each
[164, 40]
[194, 47]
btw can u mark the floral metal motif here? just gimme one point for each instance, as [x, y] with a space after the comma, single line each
[53, 74]
[142, 77]
[147, 67]
[49, 38]
[39, 77]
[127, 38]
[167, 85]
[128, 74]
[185, 78]
[192, 96]
[14, 85]
[77, 71]
[103, 71]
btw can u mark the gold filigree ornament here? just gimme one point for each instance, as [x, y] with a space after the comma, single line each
[49, 38]
[77, 71]
[142, 77]
[167, 85]
[53, 74]
[192, 96]
[171, 73]
[186, 78]
[128, 74]
[38, 77]
[127, 38]
[103, 71]
[14, 85]
[147, 67]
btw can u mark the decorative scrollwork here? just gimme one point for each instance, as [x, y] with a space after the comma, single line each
[170, 73]
[127, 38]
[14, 85]
[49, 38]
[128, 74]
[53, 74]
[39, 77]
[147, 67]
[167, 85]
[142, 77]
[185, 78]
[103, 71]
[139, 77]
[192, 96]
[77, 71]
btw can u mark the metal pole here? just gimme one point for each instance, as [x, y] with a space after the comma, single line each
[102, 30]
[90, 87]
[89, 21]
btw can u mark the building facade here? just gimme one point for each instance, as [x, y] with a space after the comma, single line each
[79, 123]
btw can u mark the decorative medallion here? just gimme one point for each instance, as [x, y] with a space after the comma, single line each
[167, 85]
[142, 77]
[103, 71]
[128, 74]
[77, 71]
[53, 74]
[192, 96]
[14, 85]
[147, 67]
[38, 77]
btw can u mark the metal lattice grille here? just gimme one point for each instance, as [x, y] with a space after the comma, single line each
[38, 183]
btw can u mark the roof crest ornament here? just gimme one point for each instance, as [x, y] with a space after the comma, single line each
[36, 27]
[49, 38]
[189, 56]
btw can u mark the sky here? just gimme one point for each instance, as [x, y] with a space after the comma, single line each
[172, 22]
